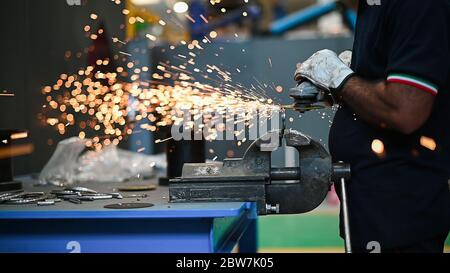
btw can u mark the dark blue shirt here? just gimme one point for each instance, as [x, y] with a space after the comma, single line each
[399, 193]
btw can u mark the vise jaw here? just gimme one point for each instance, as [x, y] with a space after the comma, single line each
[252, 179]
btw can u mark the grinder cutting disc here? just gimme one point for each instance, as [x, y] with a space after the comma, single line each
[129, 206]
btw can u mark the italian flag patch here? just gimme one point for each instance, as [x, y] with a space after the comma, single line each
[413, 81]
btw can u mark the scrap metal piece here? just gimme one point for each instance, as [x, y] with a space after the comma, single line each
[2, 195]
[116, 195]
[81, 190]
[66, 197]
[65, 193]
[148, 187]
[74, 201]
[24, 201]
[56, 200]
[129, 206]
[94, 197]
[25, 198]
[135, 196]
[8, 196]
[46, 203]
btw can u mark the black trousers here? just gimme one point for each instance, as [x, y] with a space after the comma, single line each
[434, 245]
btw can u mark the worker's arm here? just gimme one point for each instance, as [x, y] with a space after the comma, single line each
[417, 66]
[401, 102]
[396, 106]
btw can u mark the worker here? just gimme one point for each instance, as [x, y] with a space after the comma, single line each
[393, 123]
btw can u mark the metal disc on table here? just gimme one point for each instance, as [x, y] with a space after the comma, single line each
[137, 188]
[129, 206]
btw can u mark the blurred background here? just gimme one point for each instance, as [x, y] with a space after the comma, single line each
[261, 41]
[48, 39]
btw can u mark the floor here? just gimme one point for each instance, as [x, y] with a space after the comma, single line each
[315, 232]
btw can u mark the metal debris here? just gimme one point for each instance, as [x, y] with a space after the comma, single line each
[129, 206]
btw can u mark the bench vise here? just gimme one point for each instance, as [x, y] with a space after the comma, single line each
[289, 190]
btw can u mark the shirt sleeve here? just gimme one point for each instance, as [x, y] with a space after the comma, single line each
[418, 44]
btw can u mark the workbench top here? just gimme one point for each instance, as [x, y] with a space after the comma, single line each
[95, 209]
[90, 228]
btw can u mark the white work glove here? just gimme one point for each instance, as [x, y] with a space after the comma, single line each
[326, 70]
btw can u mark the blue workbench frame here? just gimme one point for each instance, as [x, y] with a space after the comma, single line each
[184, 228]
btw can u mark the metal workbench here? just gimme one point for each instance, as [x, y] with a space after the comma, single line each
[163, 228]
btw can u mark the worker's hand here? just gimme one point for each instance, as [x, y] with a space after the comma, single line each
[326, 70]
